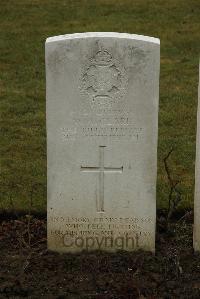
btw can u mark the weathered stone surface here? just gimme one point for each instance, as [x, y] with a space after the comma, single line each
[197, 181]
[102, 120]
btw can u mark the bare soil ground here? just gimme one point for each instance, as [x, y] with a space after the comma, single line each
[28, 270]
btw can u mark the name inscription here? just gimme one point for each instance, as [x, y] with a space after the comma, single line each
[87, 125]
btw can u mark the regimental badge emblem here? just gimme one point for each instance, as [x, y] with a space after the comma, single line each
[104, 81]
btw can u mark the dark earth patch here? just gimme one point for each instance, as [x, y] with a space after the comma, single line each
[28, 270]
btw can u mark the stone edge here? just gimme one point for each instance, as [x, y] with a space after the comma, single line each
[103, 34]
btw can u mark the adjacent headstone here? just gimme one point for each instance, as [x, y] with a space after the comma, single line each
[102, 122]
[197, 181]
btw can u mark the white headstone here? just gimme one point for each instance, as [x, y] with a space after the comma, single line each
[102, 121]
[197, 181]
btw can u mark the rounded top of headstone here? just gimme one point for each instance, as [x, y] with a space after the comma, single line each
[103, 34]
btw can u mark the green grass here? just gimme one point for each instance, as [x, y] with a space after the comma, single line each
[24, 26]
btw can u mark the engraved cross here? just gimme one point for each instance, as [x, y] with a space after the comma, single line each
[101, 169]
